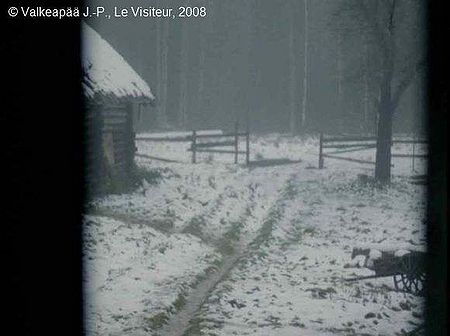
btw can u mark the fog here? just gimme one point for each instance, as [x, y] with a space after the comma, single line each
[274, 183]
[247, 58]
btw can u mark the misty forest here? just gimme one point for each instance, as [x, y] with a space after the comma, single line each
[257, 167]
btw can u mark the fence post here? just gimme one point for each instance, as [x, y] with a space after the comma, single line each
[236, 140]
[247, 145]
[193, 145]
[320, 151]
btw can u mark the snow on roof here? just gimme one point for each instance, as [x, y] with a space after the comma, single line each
[106, 71]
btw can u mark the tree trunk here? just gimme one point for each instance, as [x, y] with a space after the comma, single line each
[384, 141]
[158, 72]
[292, 75]
[164, 74]
[339, 70]
[162, 30]
[201, 75]
[386, 109]
[365, 124]
[184, 64]
[305, 70]
[384, 132]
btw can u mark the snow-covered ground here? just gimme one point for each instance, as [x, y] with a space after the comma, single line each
[289, 230]
[134, 273]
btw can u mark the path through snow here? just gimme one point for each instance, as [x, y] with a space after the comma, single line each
[258, 251]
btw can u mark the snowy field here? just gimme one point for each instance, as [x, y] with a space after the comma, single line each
[221, 249]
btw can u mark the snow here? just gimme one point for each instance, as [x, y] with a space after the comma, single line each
[107, 71]
[133, 270]
[291, 229]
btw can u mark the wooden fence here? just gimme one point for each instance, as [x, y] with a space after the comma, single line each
[208, 143]
[204, 142]
[347, 144]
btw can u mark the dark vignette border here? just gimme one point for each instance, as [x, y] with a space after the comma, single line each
[438, 105]
[42, 157]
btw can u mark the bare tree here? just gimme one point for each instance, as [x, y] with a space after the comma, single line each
[162, 32]
[305, 65]
[365, 125]
[184, 69]
[293, 118]
[396, 63]
[339, 81]
[394, 81]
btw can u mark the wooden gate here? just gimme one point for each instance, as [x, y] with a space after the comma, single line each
[209, 143]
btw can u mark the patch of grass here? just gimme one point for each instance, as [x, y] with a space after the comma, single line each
[309, 230]
[119, 182]
[225, 247]
[180, 302]
[217, 263]
[234, 233]
[266, 229]
[227, 244]
[151, 176]
[157, 321]
[290, 192]
[164, 224]
[194, 328]
[363, 185]
[295, 235]
[194, 227]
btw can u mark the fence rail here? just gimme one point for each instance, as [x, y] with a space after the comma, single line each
[201, 136]
[165, 139]
[347, 144]
[202, 142]
[215, 144]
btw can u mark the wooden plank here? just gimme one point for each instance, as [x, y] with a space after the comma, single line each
[321, 151]
[423, 156]
[224, 151]
[348, 145]
[214, 144]
[164, 139]
[155, 158]
[187, 138]
[193, 145]
[272, 162]
[350, 159]
[411, 141]
[352, 150]
[247, 146]
[349, 139]
[236, 142]
[352, 139]
[347, 159]
[202, 136]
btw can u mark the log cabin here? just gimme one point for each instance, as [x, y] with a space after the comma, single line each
[115, 99]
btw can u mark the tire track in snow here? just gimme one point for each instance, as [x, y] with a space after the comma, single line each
[180, 323]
